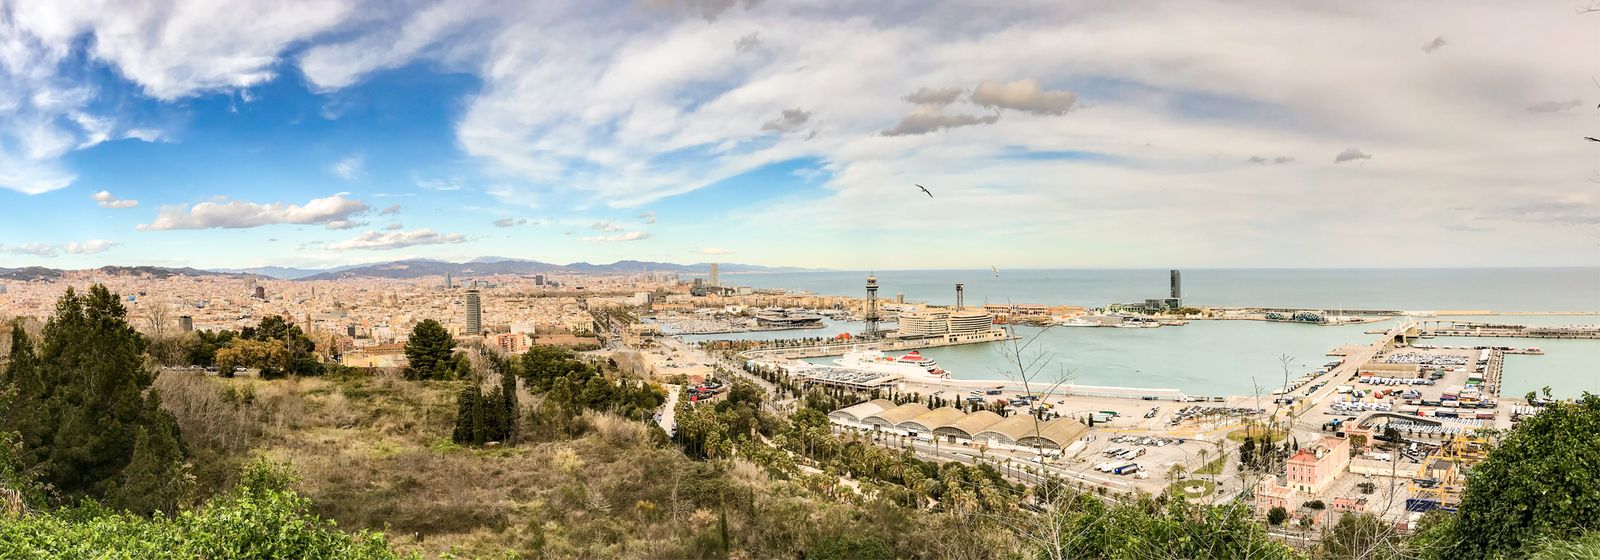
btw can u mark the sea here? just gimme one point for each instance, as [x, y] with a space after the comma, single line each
[1229, 357]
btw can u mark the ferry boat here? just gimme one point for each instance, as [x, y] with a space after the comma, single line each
[910, 366]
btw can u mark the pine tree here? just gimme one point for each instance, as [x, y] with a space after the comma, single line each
[156, 477]
[428, 351]
[82, 406]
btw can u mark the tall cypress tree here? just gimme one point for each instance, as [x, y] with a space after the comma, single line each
[464, 404]
[479, 422]
[508, 404]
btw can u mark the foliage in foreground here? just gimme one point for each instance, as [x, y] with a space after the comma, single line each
[261, 518]
[86, 425]
[1538, 483]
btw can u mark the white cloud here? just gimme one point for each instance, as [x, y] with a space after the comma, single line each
[334, 211]
[390, 210]
[630, 236]
[713, 251]
[168, 49]
[649, 217]
[606, 226]
[90, 247]
[394, 226]
[349, 168]
[176, 48]
[373, 240]
[105, 200]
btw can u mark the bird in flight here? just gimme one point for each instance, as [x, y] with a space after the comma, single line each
[925, 191]
[996, 271]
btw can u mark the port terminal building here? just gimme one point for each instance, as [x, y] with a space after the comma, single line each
[1020, 432]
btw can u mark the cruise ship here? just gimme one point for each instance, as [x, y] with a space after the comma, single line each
[911, 366]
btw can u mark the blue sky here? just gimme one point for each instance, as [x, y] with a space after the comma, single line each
[313, 134]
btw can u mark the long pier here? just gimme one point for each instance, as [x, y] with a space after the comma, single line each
[841, 348]
[1492, 330]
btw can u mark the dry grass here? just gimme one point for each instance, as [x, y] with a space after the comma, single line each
[374, 453]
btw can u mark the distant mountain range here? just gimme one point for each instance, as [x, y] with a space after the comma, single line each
[42, 273]
[489, 266]
[414, 268]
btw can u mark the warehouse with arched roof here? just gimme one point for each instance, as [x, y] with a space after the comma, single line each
[888, 419]
[856, 415]
[964, 428]
[1055, 434]
[925, 424]
[1011, 430]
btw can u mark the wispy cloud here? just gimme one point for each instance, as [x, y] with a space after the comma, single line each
[606, 226]
[105, 200]
[376, 241]
[649, 217]
[443, 185]
[90, 247]
[350, 168]
[713, 251]
[390, 210]
[630, 236]
[1261, 160]
[1436, 44]
[335, 211]
[513, 222]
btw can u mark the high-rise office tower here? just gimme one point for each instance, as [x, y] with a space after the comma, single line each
[714, 282]
[474, 311]
[447, 284]
[1177, 285]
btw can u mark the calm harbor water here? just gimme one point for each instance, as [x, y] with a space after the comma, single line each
[1233, 357]
[1495, 289]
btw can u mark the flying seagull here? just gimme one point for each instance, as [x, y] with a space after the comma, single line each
[1589, 138]
[925, 191]
[996, 271]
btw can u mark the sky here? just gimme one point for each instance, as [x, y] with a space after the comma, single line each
[317, 133]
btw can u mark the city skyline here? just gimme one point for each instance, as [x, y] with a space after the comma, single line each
[346, 132]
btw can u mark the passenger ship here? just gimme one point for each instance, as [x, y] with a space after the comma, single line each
[911, 366]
